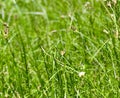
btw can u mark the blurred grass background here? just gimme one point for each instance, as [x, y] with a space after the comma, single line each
[45, 45]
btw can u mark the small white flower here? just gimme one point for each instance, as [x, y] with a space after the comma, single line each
[62, 52]
[114, 1]
[109, 4]
[81, 74]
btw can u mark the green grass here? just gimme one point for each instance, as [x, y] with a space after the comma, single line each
[50, 42]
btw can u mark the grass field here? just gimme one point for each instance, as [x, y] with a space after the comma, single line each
[59, 49]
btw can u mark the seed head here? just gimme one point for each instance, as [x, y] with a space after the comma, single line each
[6, 30]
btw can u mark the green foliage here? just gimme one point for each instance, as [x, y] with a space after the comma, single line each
[59, 49]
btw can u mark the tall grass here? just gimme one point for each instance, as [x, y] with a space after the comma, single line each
[59, 49]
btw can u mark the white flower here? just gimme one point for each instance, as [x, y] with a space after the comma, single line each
[62, 52]
[81, 74]
[114, 1]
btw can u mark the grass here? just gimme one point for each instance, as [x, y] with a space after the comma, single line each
[59, 49]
